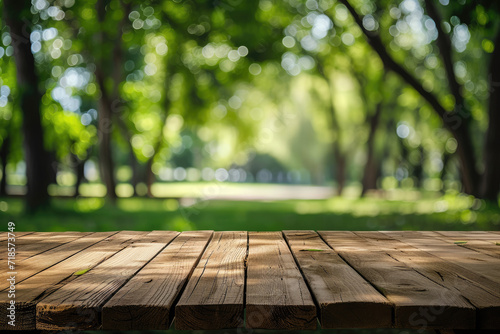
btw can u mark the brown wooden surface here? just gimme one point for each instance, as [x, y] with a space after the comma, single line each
[136, 280]
[447, 274]
[213, 298]
[4, 235]
[37, 252]
[39, 242]
[146, 301]
[417, 300]
[488, 244]
[345, 299]
[277, 296]
[77, 304]
[479, 263]
[31, 290]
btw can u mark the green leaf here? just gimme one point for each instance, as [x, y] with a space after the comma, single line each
[81, 272]
[460, 242]
[497, 243]
[312, 250]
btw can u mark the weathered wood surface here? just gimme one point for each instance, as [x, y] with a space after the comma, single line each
[146, 301]
[277, 296]
[31, 290]
[479, 291]
[5, 235]
[36, 252]
[39, 242]
[345, 299]
[479, 263]
[78, 304]
[414, 296]
[213, 297]
[485, 243]
[284, 280]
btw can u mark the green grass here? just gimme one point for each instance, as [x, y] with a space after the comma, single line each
[448, 212]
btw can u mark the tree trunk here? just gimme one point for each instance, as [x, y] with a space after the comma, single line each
[340, 168]
[134, 164]
[4, 154]
[105, 157]
[456, 122]
[53, 167]
[467, 159]
[35, 155]
[444, 172]
[418, 169]
[78, 166]
[370, 171]
[490, 186]
[105, 125]
[150, 176]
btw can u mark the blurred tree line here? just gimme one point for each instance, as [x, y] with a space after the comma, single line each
[377, 91]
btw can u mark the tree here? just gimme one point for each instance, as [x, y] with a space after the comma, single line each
[17, 17]
[457, 121]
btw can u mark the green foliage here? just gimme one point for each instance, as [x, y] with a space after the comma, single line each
[81, 272]
[216, 83]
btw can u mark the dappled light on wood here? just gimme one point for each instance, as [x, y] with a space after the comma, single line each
[280, 280]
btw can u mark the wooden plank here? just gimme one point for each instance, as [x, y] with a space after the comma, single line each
[476, 235]
[413, 295]
[345, 299]
[78, 304]
[447, 274]
[146, 301]
[483, 243]
[40, 254]
[482, 264]
[39, 242]
[277, 296]
[31, 290]
[213, 298]
[4, 235]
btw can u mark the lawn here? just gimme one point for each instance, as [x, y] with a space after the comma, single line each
[404, 211]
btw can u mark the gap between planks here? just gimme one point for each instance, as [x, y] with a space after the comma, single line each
[78, 304]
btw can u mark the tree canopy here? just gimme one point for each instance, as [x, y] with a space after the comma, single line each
[372, 93]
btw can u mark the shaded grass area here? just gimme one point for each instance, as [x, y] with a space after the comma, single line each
[448, 212]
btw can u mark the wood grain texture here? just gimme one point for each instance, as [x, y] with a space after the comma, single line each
[29, 291]
[78, 304]
[277, 296]
[38, 251]
[479, 263]
[419, 302]
[480, 242]
[345, 299]
[146, 301]
[4, 235]
[213, 298]
[39, 242]
[430, 281]
[447, 274]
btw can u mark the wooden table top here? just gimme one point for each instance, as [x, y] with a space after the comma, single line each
[284, 280]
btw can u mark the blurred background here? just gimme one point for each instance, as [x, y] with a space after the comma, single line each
[257, 115]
